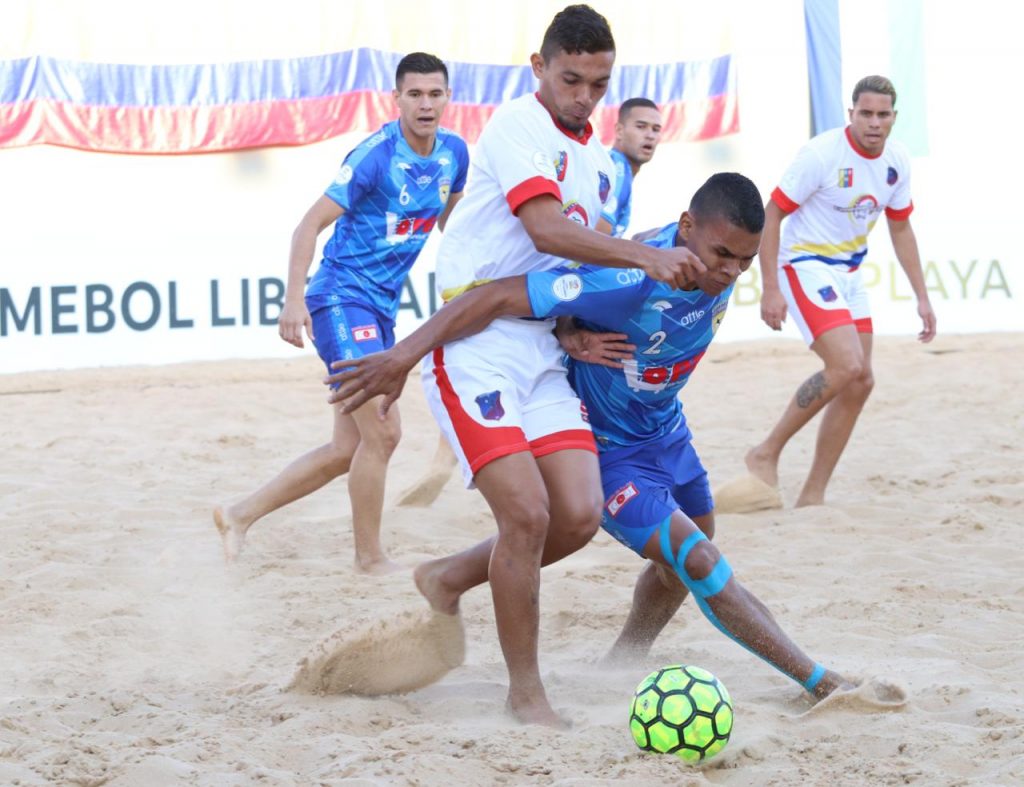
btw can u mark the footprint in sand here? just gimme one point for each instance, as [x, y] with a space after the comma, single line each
[746, 495]
[394, 656]
[872, 695]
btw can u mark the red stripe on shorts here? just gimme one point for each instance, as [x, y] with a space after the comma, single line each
[480, 444]
[582, 439]
[864, 325]
[818, 320]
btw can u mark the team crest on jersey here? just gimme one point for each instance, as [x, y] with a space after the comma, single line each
[717, 315]
[846, 178]
[620, 498]
[561, 164]
[344, 175]
[444, 187]
[573, 210]
[604, 185]
[892, 176]
[828, 294]
[490, 406]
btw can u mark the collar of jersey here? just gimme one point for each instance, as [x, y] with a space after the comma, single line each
[587, 132]
[858, 149]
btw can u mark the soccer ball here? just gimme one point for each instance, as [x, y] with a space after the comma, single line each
[681, 710]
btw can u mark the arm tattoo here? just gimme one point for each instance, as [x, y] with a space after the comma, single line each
[811, 390]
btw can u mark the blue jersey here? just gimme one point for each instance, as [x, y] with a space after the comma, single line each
[670, 328]
[392, 197]
[617, 208]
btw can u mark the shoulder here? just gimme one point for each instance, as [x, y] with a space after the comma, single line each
[381, 144]
[898, 153]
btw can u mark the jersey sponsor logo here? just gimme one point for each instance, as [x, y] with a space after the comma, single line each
[604, 186]
[424, 180]
[620, 498]
[561, 164]
[846, 178]
[344, 175]
[401, 228]
[364, 333]
[573, 210]
[542, 162]
[828, 294]
[375, 140]
[567, 287]
[490, 406]
[690, 318]
[658, 378]
[860, 208]
[892, 176]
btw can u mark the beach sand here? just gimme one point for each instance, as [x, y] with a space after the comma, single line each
[132, 656]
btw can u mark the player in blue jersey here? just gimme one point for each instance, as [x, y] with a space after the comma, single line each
[657, 498]
[388, 195]
[637, 134]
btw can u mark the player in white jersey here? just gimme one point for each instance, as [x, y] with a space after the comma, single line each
[537, 185]
[833, 193]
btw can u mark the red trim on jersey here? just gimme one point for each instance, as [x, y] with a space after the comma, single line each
[583, 138]
[818, 320]
[864, 325]
[582, 439]
[480, 444]
[779, 198]
[858, 149]
[530, 188]
[900, 215]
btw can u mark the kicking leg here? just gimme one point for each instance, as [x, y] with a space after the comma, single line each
[658, 594]
[840, 349]
[732, 608]
[303, 476]
[837, 424]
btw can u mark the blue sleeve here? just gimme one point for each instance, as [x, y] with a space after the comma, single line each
[604, 296]
[359, 174]
[462, 154]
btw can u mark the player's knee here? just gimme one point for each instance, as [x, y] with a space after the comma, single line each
[701, 560]
[526, 523]
[846, 372]
[383, 439]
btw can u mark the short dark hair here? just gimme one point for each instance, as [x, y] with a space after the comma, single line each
[875, 84]
[420, 63]
[630, 104]
[576, 29]
[732, 196]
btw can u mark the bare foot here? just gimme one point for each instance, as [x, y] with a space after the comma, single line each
[763, 465]
[232, 533]
[810, 499]
[427, 577]
[830, 682]
[537, 711]
[380, 567]
[869, 696]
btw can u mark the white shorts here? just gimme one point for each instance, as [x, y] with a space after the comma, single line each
[503, 391]
[822, 297]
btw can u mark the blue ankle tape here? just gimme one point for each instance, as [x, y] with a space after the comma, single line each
[816, 675]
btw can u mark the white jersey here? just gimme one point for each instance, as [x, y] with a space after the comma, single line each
[522, 153]
[840, 192]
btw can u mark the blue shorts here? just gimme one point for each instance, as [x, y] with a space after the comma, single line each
[646, 484]
[346, 330]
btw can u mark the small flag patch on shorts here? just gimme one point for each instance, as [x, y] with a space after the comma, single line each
[620, 498]
[364, 333]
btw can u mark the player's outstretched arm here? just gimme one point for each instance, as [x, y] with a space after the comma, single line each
[384, 374]
[553, 233]
[904, 243]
